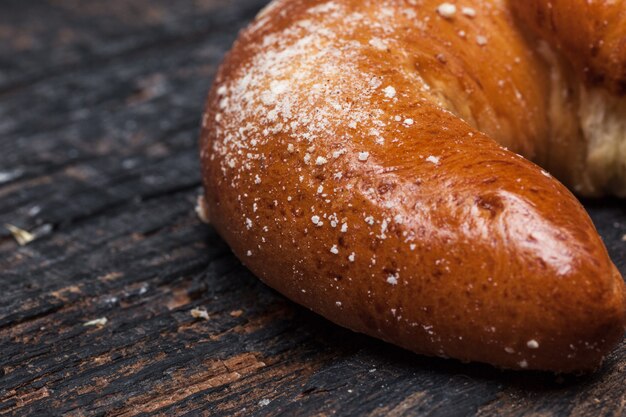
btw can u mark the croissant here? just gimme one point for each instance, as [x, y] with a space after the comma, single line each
[362, 157]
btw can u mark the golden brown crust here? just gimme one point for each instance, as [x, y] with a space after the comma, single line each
[348, 160]
[592, 34]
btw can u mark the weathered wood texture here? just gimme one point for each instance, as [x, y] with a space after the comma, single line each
[100, 103]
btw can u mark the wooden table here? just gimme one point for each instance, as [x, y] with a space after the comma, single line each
[100, 103]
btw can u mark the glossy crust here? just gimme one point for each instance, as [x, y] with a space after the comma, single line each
[592, 34]
[349, 161]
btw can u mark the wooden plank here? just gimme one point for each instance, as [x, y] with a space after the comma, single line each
[50, 37]
[98, 155]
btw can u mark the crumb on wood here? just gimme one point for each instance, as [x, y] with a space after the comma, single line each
[102, 321]
[236, 313]
[21, 236]
[199, 313]
[201, 210]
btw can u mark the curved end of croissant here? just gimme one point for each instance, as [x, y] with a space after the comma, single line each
[607, 323]
[546, 297]
[594, 326]
[578, 311]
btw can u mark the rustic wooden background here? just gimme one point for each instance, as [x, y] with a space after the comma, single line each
[100, 104]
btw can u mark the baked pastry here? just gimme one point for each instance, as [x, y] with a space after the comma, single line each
[360, 156]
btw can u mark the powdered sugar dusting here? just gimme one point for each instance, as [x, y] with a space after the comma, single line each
[319, 111]
[433, 160]
[379, 44]
[446, 10]
[390, 92]
[292, 61]
[393, 279]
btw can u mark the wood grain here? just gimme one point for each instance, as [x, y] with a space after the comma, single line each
[99, 114]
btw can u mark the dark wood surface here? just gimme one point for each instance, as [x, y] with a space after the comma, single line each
[100, 103]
